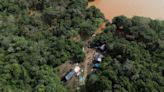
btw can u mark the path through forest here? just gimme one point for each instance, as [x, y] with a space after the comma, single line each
[90, 52]
[86, 65]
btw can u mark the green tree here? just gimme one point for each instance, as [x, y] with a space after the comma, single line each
[122, 22]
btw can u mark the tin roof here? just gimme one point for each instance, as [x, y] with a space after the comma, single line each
[70, 75]
[99, 57]
[77, 69]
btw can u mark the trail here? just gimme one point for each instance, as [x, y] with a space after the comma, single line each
[90, 52]
[88, 60]
[87, 64]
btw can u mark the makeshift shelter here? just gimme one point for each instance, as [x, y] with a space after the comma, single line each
[98, 58]
[102, 47]
[77, 69]
[96, 65]
[69, 75]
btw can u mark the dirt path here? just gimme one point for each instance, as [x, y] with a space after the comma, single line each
[99, 30]
[90, 52]
[88, 61]
[87, 64]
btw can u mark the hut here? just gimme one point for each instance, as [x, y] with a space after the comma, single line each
[97, 66]
[69, 75]
[77, 69]
[98, 58]
[130, 37]
[102, 47]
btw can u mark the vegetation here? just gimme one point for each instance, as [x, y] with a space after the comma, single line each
[36, 36]
[134, 56]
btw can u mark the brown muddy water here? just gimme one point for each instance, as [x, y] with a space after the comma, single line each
[129, 8]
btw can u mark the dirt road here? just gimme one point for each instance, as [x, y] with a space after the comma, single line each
[88, 61]
[86, 65]
[90, 52]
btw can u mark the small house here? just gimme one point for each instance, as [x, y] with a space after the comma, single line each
[69, 75]
[130, 37]
[77, 69]
[81, 78]
[72, 72]
[121, 27]
[83, 49]
[102, 47]
[98, 58]
[96, 65]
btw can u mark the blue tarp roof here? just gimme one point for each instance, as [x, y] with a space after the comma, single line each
[97, 65]
[81, 78]
[70, 75]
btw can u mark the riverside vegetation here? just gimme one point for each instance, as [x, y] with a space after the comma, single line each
[36, 36]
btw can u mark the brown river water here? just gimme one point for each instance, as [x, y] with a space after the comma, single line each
[129, 8]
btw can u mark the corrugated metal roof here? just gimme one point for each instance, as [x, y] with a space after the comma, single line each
[99, 57]
[70, 75]
[77, 69]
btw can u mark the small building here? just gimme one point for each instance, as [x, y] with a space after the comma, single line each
[130, 37]
[102, 47]
[77, 69]
[96, 65]
[83, 49]
[81, 78]
[69, 75]
[98, 58]
[121, 27]
[72, 72]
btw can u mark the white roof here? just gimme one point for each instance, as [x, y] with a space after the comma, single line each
[102, 47]
[99, 57]
[77, 69]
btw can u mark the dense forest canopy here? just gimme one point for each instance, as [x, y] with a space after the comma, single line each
[36, 36]
[134, 56]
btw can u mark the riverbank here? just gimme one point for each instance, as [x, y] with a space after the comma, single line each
[129, 8]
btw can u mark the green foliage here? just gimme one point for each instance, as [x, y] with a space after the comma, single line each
[36, 37]
[122, 21]
[63, 50]
[102, 39]
[133, 59]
